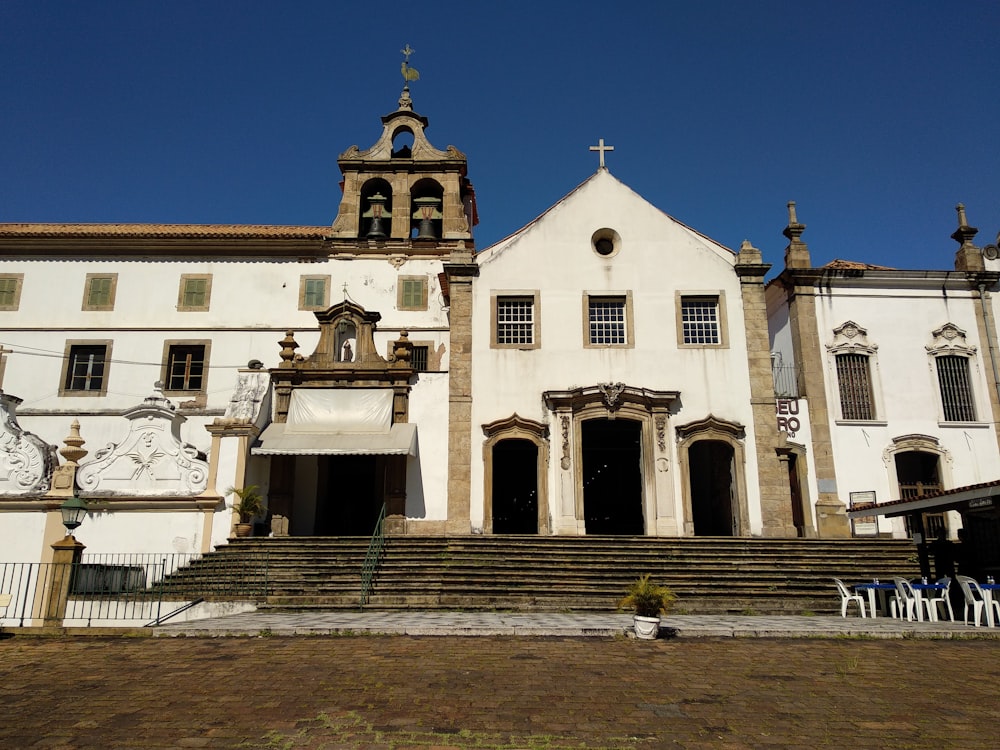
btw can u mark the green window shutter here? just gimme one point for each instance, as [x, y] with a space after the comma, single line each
[413, 292]
[194, 292]
[8, 291]
[315, 293]
[100, 292]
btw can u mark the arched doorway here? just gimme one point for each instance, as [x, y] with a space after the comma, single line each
[515, 487]
[712, 460]
[712, 488]
[612, 476]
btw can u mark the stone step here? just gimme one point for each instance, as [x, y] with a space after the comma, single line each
[520, 572]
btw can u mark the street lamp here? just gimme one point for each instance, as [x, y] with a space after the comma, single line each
[74, 510]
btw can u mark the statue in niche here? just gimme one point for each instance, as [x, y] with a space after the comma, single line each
[346, 339]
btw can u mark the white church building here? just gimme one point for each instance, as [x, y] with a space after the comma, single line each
[603, 370]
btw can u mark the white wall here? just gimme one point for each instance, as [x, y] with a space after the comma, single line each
[658, 259]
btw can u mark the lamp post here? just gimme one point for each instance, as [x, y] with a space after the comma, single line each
[73, 511]
[66, 555]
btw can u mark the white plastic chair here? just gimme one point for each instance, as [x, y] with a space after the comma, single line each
[975, 598]
[907, 599]
[935, 599]
[846, 597]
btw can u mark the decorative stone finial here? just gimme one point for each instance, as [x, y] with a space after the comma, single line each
[797, 252]
[288, 346]
[964, 234]
[73, 451]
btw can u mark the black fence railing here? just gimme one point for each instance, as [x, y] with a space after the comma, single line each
[104, 589]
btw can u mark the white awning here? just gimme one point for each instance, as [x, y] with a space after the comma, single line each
[400, 440]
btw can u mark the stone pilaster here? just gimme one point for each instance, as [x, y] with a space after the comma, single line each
[799, 281]
[460, 278]
[772, 473]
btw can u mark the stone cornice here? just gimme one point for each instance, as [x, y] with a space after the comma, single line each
[96, 504]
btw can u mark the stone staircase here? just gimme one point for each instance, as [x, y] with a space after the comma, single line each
[709, 575]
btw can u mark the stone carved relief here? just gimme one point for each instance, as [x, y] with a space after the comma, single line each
[565, 462]
[245, 403]
[26, 461]
[612, 393]
[152, 460]
[950, 339]
[661, 432]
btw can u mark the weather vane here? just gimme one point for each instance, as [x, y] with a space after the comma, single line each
[409, 73]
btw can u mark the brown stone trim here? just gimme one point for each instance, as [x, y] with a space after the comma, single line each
[91, 277]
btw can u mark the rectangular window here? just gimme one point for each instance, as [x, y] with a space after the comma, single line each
[86, 368]
[10, 291]
[99, 291]
[854, 379]
[956, 389]
[195, 292]
[700, 320]
[314, 292]
[419, 361]
[185, 367]
[515, 321]
[607, 323]
[411, 293]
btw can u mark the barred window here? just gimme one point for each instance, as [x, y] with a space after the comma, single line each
[607, 320]
[185, 367]
[516, 320]
[956, 389]
[854, 378]
[700, 320]
[419, 358]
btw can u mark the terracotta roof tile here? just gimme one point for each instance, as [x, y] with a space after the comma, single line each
[854, 264]
[233, 231]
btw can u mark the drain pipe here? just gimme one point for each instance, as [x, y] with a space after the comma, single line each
[991, 343]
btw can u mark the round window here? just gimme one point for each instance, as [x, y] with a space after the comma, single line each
[606, 242]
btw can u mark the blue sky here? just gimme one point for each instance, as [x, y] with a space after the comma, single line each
[877, 117]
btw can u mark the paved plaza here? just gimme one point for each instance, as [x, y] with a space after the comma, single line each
[407, 692]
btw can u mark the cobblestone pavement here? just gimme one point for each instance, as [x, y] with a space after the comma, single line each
[439, 693]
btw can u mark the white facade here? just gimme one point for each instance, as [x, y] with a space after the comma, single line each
[653, 262]
[908, 361]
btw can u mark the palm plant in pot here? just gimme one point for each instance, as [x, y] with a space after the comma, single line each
[251, 504]
[648, 601]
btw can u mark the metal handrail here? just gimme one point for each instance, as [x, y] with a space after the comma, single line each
[373, 557]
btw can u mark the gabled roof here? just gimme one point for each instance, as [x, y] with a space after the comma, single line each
[602, 174]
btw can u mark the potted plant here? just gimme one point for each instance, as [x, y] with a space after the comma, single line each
[648, 601]
[251, 504]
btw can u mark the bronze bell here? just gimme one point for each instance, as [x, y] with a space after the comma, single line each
[377, 202]
[427, 210]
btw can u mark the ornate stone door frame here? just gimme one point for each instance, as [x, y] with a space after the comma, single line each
[613, 401]
[713, 428]
[515, 427]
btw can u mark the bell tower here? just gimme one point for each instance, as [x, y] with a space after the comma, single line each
[403, 195]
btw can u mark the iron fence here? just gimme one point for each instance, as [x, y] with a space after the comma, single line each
[110, 588]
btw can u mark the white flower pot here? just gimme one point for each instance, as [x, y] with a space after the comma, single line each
[646, 628]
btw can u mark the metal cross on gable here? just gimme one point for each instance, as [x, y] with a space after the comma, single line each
[602, 148]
